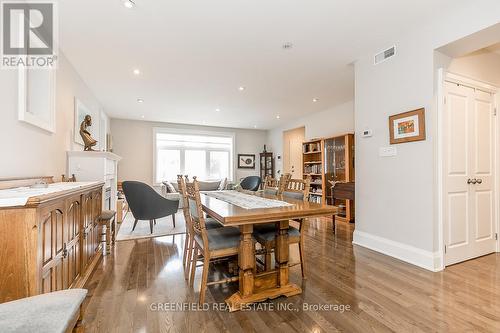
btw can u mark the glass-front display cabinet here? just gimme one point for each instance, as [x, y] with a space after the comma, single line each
[339, 167]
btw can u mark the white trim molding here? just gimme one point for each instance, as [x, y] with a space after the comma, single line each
[410, 254]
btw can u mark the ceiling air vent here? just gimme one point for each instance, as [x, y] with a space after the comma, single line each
[384, 55]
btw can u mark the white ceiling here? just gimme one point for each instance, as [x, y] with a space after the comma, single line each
[195, 54]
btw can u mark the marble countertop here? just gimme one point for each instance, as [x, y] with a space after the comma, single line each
[19, 196]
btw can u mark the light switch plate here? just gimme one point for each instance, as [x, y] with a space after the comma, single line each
[367, 133]
[387, 151]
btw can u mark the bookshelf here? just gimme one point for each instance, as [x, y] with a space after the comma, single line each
[312, 156]
[329, 160]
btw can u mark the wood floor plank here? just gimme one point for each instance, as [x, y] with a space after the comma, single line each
[384, 294]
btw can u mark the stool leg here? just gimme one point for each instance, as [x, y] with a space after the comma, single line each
[108, 236]
[113, 231]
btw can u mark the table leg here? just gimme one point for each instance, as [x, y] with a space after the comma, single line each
[282, 252]
[267, 285]
[246, 260]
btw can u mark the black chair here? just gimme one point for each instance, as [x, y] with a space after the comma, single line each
[251, 183]
[146, 204]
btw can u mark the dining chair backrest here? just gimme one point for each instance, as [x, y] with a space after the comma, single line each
[283, 182]
[271, 185]
[181, 182]
[196, 209]
[298, 189]
[270, 182]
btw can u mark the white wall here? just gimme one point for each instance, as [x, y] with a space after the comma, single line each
[133, 141]
[336, 120]
[396, 205]
[27, 150]
[482, 65]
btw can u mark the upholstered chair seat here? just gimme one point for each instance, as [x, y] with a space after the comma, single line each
[267, 232]
[211, 223]
[221, 238]
[52, 312]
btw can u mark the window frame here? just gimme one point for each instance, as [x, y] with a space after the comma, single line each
[186, 131]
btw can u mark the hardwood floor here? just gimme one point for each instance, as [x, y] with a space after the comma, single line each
[384, 294]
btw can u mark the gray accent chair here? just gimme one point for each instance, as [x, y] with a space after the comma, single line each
[251, 183]
[55, 312]
[146, 204]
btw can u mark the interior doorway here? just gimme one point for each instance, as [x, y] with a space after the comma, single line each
[469, 168]
[292, 151]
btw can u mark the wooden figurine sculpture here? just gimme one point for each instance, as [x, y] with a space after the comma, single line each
[88, 141]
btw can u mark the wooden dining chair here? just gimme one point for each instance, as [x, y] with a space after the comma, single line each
[265, 234]
[274, 186]
[189, 240]
[209, 244]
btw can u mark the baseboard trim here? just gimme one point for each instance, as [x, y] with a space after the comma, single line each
[410, 254]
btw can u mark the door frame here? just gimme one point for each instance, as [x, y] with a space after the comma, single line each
[445, 76]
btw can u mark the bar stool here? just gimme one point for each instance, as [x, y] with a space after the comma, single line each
[107, 218]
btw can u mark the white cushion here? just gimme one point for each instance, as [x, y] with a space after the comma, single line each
[44, 313]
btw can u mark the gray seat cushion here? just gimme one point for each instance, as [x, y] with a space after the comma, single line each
[211, 223]
[294, 195]
[221, 238]
[271, 191]
[267, 232]
[50, 312]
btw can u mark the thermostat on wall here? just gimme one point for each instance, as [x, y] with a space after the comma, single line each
[367, 133]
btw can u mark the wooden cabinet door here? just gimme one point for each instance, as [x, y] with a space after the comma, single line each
[86, 229]
[96, 228]
[52, 246]
[72, 254]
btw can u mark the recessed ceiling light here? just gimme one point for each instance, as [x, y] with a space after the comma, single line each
[254, 126]
[278, 117]
[140, 100]
[128, 4]
[315, 100]
[287, 46]
[142, 116]
[137, 71]
[241, 88]
[217, 110]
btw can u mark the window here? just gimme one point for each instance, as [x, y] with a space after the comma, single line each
[208, 156]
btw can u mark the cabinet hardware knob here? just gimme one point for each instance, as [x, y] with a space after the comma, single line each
[479, 181]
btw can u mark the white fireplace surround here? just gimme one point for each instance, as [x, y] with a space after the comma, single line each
[93, 166]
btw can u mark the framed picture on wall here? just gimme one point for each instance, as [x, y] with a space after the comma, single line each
[36, 97]
[407, 127]
[246, 161]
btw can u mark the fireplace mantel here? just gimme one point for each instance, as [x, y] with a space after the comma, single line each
[96, 166]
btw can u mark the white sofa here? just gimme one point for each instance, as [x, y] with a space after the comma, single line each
[170, 190]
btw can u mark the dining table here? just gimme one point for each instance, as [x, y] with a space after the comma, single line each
[247, 212]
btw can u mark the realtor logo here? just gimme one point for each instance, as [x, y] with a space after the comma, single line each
[29, 34]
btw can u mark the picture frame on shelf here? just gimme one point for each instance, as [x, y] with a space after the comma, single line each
[407, 126]
[246, 161]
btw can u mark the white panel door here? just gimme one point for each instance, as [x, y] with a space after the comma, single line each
[469, 173]
[292, 152]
